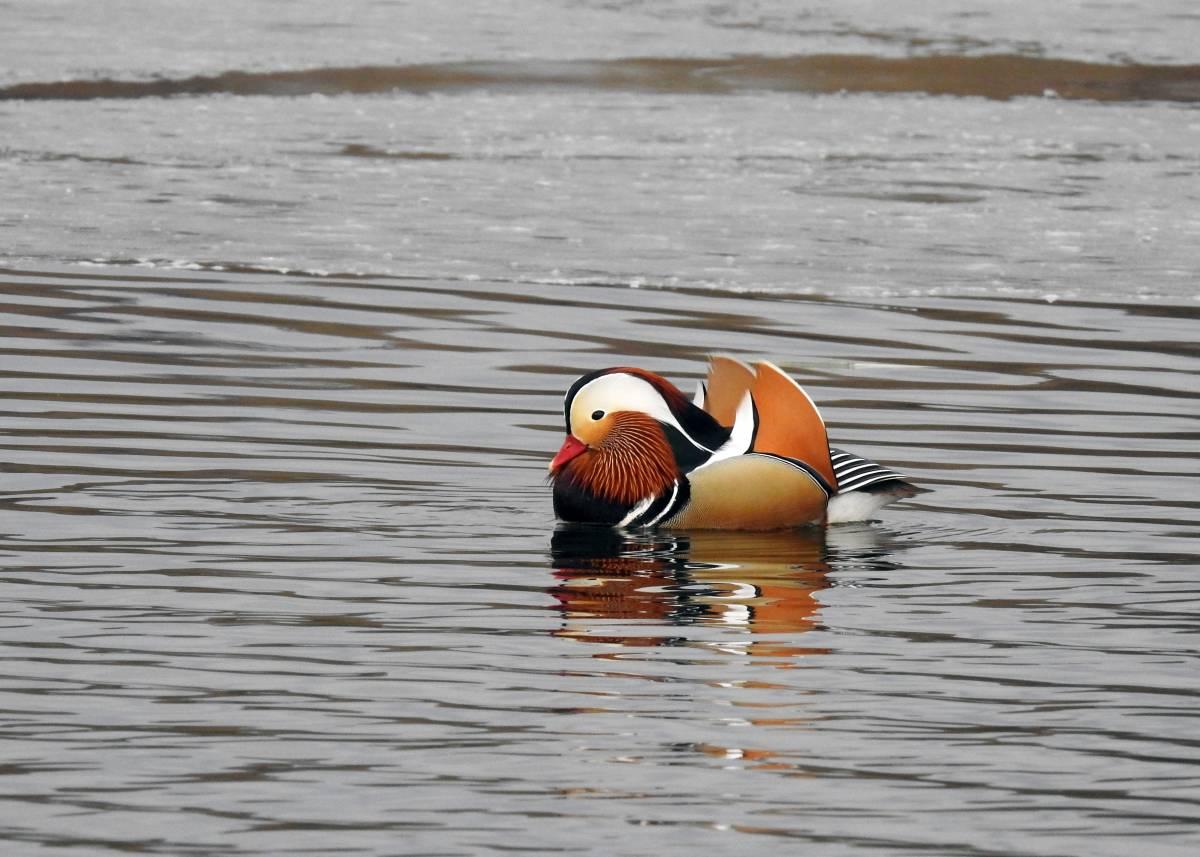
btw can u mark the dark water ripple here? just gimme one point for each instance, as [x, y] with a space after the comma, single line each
[280, 568]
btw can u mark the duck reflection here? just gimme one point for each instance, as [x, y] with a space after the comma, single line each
[630, 588]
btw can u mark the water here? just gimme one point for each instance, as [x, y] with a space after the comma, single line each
[281, 375]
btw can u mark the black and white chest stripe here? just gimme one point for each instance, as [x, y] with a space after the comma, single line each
[652, 511]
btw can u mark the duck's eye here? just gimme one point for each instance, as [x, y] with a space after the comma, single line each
[597, 415]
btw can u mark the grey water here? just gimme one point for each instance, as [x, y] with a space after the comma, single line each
[290, 294]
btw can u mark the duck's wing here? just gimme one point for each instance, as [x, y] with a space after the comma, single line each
[788, 423]
[854, 473]
[728, 381]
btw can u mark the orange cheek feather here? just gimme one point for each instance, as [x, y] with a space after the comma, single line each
[630, 461]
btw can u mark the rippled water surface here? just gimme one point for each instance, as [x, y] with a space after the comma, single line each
[281, 374]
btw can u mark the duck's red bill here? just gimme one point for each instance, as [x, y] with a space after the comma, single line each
[571, 447]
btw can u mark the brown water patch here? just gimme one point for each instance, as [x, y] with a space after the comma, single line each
[993, 76]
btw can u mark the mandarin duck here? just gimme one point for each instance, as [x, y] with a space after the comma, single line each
[749, 452]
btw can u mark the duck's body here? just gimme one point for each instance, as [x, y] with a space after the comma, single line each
[749, 453]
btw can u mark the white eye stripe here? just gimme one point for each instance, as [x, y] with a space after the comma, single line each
[622, 392]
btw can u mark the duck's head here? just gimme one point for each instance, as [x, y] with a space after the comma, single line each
[631, 435]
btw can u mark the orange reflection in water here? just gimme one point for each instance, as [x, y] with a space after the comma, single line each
[622, 588]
